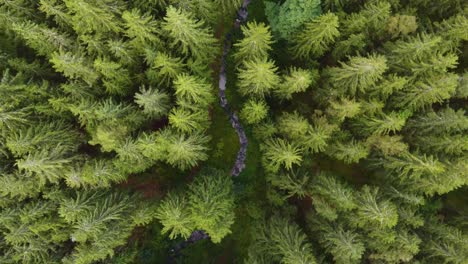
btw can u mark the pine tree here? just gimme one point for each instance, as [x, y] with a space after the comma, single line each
[46, 165]
[45, 41]
[188, 35]
[404, 54]
[401, 25]
[255, 44]
[373, 210]
[286, 18]
[279, 152]
[391, 84]
[454, 30]
[297, 81]
[166, 68]
[426, 92]
[344, 108]
[258, 78]
[382, 124]
[121, 50]
[74, 67]
[56, 10]
[116, 79]
[443, 121]
[359, 74]
[445, 244]
[184, 151]
[441, 183]
[92, 17]
[99, 173]
[254, 111]
[130, 159]
[354, 44]
[174, 215]
[371, 20]
[42, 136]
[205, 10]
[19, 186]
[317, 37]
[295, 183]
[155, 103]
[285, 242]
[141, 28]
[446, 144]
[186, 121]
[409, 165]
[293, 126]
[349, 151]
[318, 135]
[331, 196]
[388, 145]
[211, 204]
[228, 6]
[192, 90]
[345, 246]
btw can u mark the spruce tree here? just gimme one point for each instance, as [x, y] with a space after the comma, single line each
[359, 74]
[279, 152]
[258, 78]
[254, 111]
[211, 203]
[256, 42]
[297, 81]
[175, 216]
[285, 242]
[317, 37]
[189, 36]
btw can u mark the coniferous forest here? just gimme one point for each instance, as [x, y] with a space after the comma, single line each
[234, 131]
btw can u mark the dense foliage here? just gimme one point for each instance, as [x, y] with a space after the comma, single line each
[113, 148]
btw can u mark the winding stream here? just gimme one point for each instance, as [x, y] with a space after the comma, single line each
[239, 165]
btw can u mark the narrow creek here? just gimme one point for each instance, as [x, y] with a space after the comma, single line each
[239, 164]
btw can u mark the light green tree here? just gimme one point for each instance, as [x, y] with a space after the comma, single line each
[279, 152]
[296, 81]
[155, 103]
[74, 67]
[189, 36]
[45, 41]
[359, 74]
[92, 17]
[140, 28]
[258, 78]
[183, 151]
[254, 111]
[349, 151]
[443, 121]
[211, 204]
[373, 210]
[116, 78]
[255, 44]
[424, 93]
[316, 37]
[166, 68]
[344, 108]
[174, 215]
[187, 121]
[193, 91]
[382, 124]
[285, 242]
